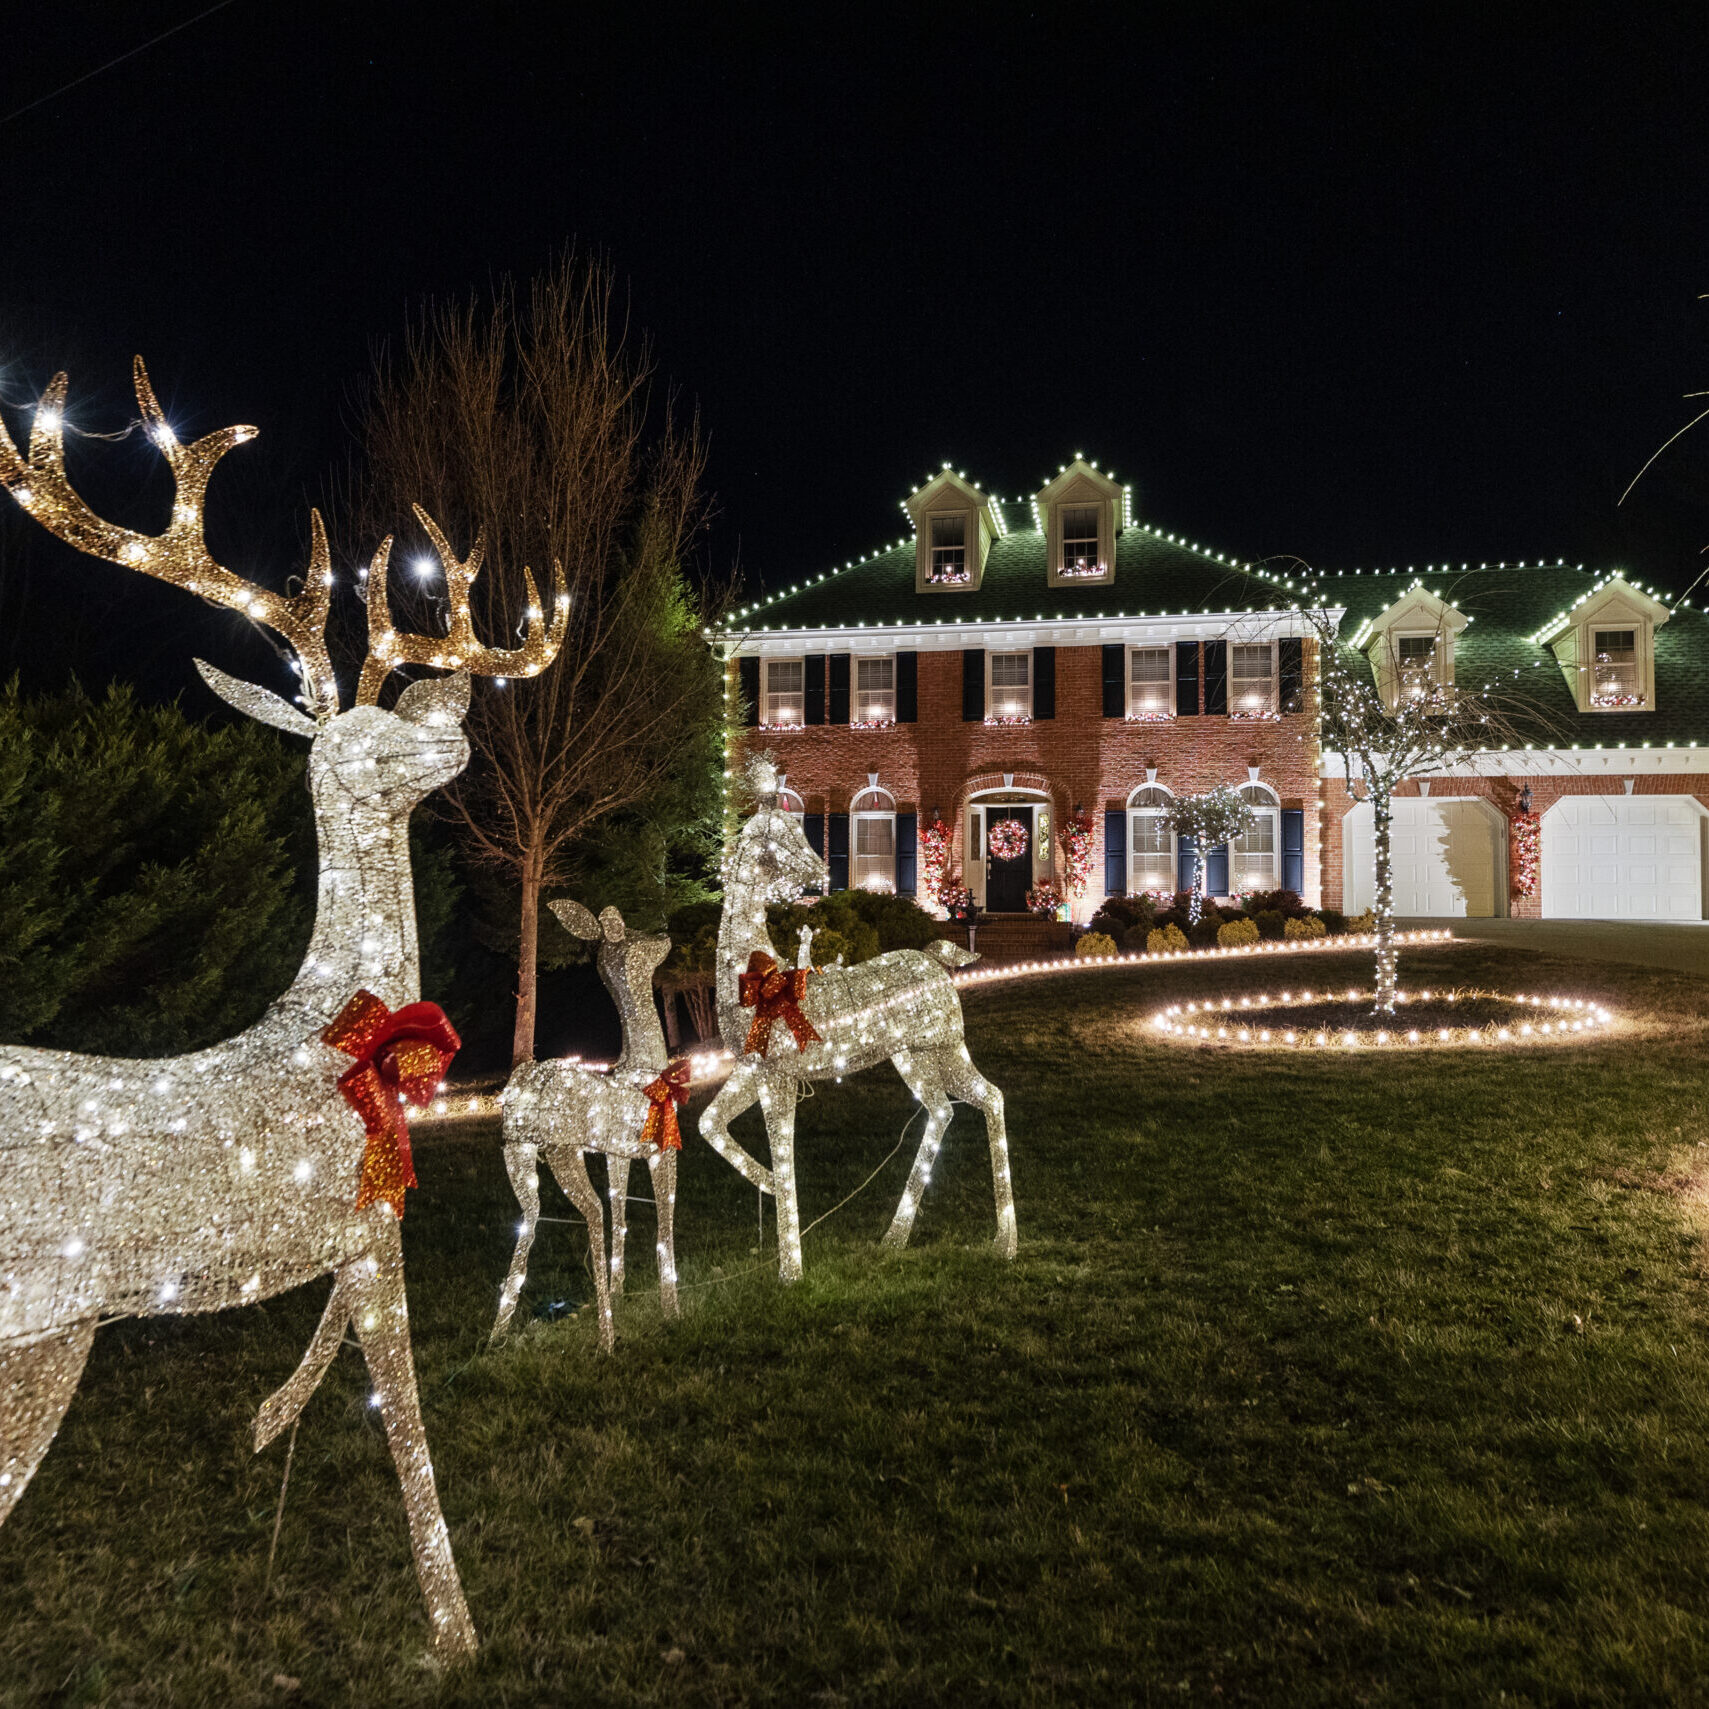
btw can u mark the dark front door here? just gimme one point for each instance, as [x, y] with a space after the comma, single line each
[1008, 881]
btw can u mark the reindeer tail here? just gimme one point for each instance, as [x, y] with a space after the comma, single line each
[951, 955]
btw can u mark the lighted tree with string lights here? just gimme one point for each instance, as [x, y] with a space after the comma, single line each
[1209, 820]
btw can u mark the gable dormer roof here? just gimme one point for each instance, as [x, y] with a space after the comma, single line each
[1417, 608]
[1613, 593]
[946, 486]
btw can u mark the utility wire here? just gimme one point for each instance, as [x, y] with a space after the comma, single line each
[129, 53]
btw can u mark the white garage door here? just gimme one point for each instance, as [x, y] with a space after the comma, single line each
[1445, 854]
[1623, 857]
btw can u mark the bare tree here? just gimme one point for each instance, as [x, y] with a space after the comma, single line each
[525, 423]
[1397, 716]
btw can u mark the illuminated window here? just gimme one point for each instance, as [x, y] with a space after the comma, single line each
[1151, 844]
[874, 815]
[1151, 683]
[1080, 540]
[1011, 685]
[1252, 685]
[1252, 858]
[875, 691]
[1615, 679]
[949, 548]
[785, 691]
[1416, 657]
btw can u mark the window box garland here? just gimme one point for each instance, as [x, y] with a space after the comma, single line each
[1007, 720]
[1151, 718]
[872, 723]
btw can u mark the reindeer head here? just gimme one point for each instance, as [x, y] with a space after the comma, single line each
[394, 758]
[772, 853]
[627, 957]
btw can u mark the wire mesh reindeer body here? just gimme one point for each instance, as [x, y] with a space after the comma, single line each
[229, 1175]
[558, 1112]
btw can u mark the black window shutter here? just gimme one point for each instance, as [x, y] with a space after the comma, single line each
[1290, 672]
[1185, 848]
[972, 685]
[839, 695]
[1216, 679]
[1044, 682]
[837, 854]
[1216, 871]
[1186, 679]
[1293, 845]
[1115, 680]
[1115, 851]
[814, 712]
[907, 853]
[907, 688]
[813, 828]
[750, 669]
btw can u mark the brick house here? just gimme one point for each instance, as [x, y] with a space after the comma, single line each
[1018, 660]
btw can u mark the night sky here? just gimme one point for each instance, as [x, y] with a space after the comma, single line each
[1367, 286]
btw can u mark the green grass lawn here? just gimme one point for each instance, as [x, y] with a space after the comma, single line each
[1373, 1379]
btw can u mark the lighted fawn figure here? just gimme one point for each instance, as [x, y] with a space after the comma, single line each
[200, 1182]
[901, 1006]
[557, 1112]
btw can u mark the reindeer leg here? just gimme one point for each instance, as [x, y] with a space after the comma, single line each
[925, 1078]
[381, 1315]
[286, 1403]
[735, 1096]
[663, 1170]
[617, 1191]
[777, 1100]
[968, 1084]
[570, 1167]
[37, 1381]
[522, 1163]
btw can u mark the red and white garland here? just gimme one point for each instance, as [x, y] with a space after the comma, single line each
[1008, 839]
[934, 856]
[1077, 852]
[1527, 845]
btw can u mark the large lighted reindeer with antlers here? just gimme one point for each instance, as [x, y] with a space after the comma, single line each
[149, 1188]
[557, 1112]
[840, 1020]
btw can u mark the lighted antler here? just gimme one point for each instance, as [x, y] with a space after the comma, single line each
[458, 649]
[38, 482]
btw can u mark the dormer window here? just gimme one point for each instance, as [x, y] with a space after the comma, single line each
[949, 549]
[1615, 668]
[1415, 655]
[1080, 544]
[1411, 648]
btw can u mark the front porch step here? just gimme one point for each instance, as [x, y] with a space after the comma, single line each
[1005, 938]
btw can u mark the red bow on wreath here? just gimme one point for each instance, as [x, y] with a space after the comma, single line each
[774, 994]
[665, 1096]
[402, 1054]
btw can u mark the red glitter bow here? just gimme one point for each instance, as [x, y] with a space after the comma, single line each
[774, 994]
[666, 1095]
[405, 1053]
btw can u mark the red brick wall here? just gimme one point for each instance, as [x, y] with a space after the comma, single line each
[1079, 756]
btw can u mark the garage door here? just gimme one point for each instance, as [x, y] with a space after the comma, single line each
[1623, 857]
[1446, 857]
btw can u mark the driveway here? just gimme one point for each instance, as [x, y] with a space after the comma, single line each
[1681, 947]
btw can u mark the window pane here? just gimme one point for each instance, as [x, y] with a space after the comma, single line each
[785, 701]
[874, 852]
[949, 548]
[875, 690]
[1080, 537]
[1253, 681]
[1152, 676]
[1417, 649]
[1009, 670]
[949, 530]
[1616, 668]
[1152, 866]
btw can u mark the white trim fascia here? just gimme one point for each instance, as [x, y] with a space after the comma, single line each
[1558, 762]
[1014, 633]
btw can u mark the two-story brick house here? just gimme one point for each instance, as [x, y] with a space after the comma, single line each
[1019, 660]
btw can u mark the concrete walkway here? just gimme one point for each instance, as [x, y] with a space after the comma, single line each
[1682, 948]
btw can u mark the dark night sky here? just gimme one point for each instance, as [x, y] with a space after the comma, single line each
[1368, 285]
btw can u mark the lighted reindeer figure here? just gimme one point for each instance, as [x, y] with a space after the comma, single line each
[902, 1006]
[557, 1112]
[200, 1182]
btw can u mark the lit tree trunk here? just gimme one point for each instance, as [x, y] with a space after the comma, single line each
[1196, 906]
[527, 961]
[1381, 814]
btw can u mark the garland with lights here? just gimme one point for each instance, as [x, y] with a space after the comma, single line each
[1007, 839]
[934, 857]
[1527, 850]
[1045, 899]
[1077, 831]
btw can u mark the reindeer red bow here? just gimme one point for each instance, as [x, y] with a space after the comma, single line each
[665, 1096]
[774, 994]
[399, 1055]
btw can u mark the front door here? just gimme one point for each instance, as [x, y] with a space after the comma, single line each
[1008, 881]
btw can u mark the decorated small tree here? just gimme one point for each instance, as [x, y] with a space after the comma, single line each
[1208, 820]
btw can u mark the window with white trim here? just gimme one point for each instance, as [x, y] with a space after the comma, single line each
[1010, 687]
[1415, 658]
[1151, 844]
[1252, 859]
[1616, 674]
[873, 845]
[949, 549]
[1151, 684]
[785, 691]
[1080, 540]
[875, 691]
[791, 803]
[1252, 680]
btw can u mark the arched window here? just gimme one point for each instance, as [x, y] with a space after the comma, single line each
[873, 813]
[1253, 858]
[790, 801]
[1151, 844]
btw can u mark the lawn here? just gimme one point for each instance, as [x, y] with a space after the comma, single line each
[1320, 1378]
